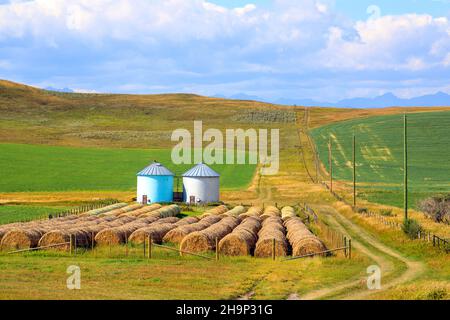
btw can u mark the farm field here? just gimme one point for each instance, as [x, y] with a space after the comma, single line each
[127, 123]
[31, 168]
[379, 155]
[14, 213]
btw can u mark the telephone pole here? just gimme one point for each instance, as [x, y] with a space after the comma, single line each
[354, 170]
[405, 164]
[330, 159]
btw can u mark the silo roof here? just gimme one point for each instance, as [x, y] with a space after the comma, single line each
[201, 170]
[155, 169]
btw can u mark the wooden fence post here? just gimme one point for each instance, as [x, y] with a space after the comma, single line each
[75, 244]
[273, 249]
[144, 247]
[217, 249]
[70, 244]
[149, 238]
[349, 248]
[92, 240]
[345, 246]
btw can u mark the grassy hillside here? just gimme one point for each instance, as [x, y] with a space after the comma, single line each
[379, 154]
[51, 168]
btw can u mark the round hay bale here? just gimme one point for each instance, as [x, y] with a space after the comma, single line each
[302, 240]
[287, 213]
[155, 231]
[176, 235]
[21, 238]
[252, 212]
[204, 240]
[272, 230]
[104, 209]
[271, 211]
[242, 240]
[187, 220]
[236, 211]
[215, 211]
[140, 211]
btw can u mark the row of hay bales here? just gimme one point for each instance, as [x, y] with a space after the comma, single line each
[302, 240]
[120, 234]
[177, 234]
[83, 227]
[205, 240]
[272, 235]
[104, 209]
[215, 211]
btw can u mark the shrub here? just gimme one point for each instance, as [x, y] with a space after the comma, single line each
[362, 210]
[437, 294]
[411, 227]
[437, 208]
[386, 212]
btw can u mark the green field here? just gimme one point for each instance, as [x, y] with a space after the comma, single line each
[27, 168]
[379, 155]
[14, 213]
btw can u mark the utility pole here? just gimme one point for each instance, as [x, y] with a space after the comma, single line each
[354, 170]
[330, 159]
[405, 164]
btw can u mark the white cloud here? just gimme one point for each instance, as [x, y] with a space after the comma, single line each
[140, 45]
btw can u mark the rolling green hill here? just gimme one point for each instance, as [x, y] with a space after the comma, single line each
[379, 154]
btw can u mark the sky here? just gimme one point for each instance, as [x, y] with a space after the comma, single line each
[326, 50]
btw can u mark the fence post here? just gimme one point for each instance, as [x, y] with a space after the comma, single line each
[149, 246]
[345, 246]
[70, 244]
[75, 244]
[217, 249]
[92, 240]
[144, 247]
[273, 249]
[434, 240]
[349, 248]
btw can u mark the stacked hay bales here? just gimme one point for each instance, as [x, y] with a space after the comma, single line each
[165, 212]
[82, 233]
[236, 211]
[117, 212]
[287, 213]
[241, 242]
[252, 212]
[141, 211]
[20, 238]
[176, 235]
[271, 211]
[204, 240]
[272, 232]
[119, 235]
[302, 240]
[215, 211]
[158, 230]
[104, 209]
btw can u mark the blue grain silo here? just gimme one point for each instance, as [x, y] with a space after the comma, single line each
[155, 184]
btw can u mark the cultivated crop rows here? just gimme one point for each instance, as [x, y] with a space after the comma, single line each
[234, 232]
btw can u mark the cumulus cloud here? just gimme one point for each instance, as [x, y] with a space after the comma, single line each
[295, 48]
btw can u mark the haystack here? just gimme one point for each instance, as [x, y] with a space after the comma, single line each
[176, 235]
[271, 211]
[242, 240]
[272, 230]
[236, 211]
[21, 238]
[301, 239]
[215, 211]
[104, 209]
[287, 213]
[204, 240]
[252, 212]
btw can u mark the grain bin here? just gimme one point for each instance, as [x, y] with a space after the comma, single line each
[201, 185]
[154, 184]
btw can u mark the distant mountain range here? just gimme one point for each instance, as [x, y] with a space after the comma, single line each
[386, 100]
[59, 89]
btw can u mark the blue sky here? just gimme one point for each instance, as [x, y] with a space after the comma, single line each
[317, 49]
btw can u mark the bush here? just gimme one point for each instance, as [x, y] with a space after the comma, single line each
[437, 294]
[386, 212]
[411, 227]
[362, 210]
[437, 208]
